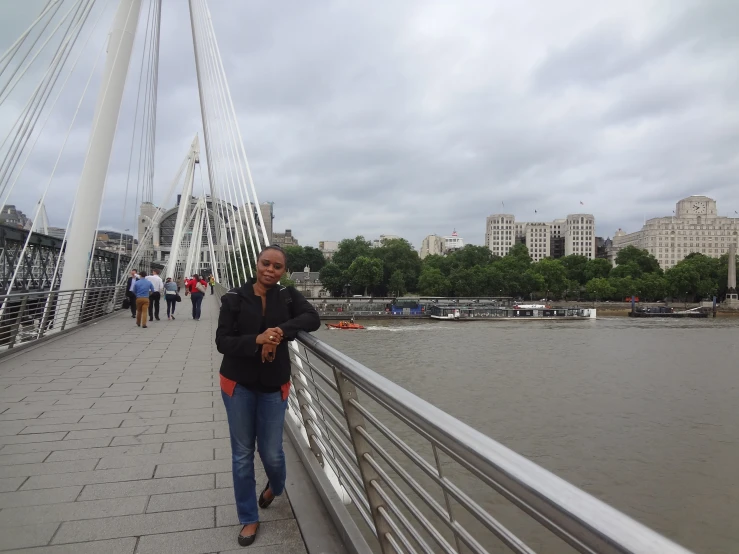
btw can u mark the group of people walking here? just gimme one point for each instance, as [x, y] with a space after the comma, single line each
[144, 293]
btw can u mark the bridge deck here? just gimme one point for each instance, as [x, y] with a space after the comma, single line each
[113, 439]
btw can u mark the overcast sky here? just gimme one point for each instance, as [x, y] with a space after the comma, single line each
[420, 117]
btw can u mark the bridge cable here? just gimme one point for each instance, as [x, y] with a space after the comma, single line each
[238, 130]
[214, 154]
[39, 98]
[30, 49]
[230, 150]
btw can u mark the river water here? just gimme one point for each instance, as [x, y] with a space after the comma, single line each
[642, 414]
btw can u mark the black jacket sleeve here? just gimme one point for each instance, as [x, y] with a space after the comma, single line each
[304, 316]
[227, 343]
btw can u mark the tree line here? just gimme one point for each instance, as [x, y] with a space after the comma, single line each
[395, 269]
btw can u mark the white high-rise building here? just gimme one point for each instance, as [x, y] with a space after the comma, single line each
[432, 245]
[543, 239]
[453, 242]
[695, 226]
[500, 233]
[538, 238]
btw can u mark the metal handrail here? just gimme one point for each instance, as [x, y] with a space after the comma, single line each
[29, 316]
[584, 522]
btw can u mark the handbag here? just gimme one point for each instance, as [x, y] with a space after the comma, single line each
[200, 287]
[126, 303]
[178, 298]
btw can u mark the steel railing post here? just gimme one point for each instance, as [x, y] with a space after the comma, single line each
[301, 392]
[355, 420]
[17, 322]
[66, 313]
[47, 311]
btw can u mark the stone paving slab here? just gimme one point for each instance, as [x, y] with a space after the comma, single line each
[113, 439]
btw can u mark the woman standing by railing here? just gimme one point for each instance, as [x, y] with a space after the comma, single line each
[254, 326]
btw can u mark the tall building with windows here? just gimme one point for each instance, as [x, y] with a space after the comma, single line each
[432, 245]
[694, 226]
[538, 239]
[573, 235]
[500, 233]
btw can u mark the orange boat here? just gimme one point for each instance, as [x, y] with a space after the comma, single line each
[344, 325]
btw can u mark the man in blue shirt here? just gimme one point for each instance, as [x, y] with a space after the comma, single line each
[142, 289]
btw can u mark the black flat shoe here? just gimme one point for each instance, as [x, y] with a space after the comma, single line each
[263, 502]
[248, 539]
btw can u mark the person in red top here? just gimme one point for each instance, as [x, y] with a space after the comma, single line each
[195, 287]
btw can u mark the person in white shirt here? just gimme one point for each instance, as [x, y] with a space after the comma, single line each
[156, 295]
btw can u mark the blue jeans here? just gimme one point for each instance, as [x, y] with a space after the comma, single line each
[171, 304]
[255, 416]
[197, 299]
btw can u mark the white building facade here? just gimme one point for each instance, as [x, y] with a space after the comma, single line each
[577, 231]
[694, 227]
[453, 242]
[328, 248]
[432, 245]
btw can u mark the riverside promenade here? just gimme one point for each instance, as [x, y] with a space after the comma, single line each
[113, 440]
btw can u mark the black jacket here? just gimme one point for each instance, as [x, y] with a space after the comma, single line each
[239, 323]
[128, 284]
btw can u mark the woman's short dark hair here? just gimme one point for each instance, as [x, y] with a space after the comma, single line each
[274, 247]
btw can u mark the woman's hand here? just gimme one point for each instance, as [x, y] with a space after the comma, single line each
[272, 336]
[268, 353]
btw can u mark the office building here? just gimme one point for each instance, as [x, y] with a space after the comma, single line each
[694, 226]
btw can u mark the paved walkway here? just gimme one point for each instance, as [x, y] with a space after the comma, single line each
[113, 440]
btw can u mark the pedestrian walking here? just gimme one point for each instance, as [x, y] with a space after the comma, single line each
[256, 322]
[196, 288]
[142, 289]
[211, 282]
[156, 295]
[129, 291]
[170, 295]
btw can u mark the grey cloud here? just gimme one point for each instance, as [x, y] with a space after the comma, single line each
[422, 117]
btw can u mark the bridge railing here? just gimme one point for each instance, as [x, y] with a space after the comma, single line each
[30, 316]
[424, 481]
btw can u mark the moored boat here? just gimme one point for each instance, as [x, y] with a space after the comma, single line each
[537, 312]
[664, 311]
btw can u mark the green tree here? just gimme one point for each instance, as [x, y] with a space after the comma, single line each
[333, 278]
[519, 251]
[652, 287]
[349, 250]
[432, 282]
[646, 261]
[623, 287]
[554, 274]
[695, 276]
[365, 272]
[396, 283]
[436, 262]
[314, 258]
[295, 257]
[470, 256]
[599, 289]
[597, 268]
[398, 255]
[468, 281]
[575, 265]
[630, 269]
